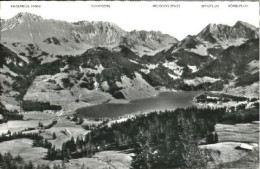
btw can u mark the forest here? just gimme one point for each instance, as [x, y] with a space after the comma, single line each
[167, 139]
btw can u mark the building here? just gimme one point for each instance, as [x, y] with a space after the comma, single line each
[246, 147]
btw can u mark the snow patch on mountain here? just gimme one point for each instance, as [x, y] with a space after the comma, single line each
[200, 49]
[173, 76]
[232, 42]
[98, 69]
[146, 71]
[149, 68]
[173, 66]
[5, 69]
[64, 68]
[133, 61]
[117, 49]
[253, 66]
[152, 66]
[193, 68]
[105, 86]
[199, 80]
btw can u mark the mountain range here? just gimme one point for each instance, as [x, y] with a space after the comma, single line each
[60, 37]
[85, 63]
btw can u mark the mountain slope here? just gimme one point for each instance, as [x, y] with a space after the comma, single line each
[238, 67]
[148, 42]
[227, 36]
[98, 75]
[59, 37]
[214, 38]
[234, 61]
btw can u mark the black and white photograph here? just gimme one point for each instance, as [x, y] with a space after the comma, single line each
[129, 85]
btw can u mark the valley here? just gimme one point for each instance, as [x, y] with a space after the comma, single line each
[92, 95]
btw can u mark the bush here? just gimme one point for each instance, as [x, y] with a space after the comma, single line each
[66, 82]
[80, 121]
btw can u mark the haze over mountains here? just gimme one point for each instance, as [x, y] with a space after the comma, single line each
[85, 63]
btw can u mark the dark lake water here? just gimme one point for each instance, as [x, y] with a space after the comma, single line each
[165, 100]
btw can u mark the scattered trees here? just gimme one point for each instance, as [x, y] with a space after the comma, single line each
[7, 161]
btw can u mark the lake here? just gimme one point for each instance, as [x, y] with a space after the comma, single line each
[163, 101]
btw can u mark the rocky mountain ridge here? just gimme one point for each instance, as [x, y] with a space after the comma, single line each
[216, 37]
[60, 37]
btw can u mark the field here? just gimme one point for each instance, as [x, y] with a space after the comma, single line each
[102, 160]
[247, 132]
[226, 151]
[59, 130]
[250, 161]
[23, 147]
[31, 120]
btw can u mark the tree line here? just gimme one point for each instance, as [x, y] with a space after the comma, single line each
[6, 115]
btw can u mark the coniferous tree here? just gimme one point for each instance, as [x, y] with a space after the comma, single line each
[216, 137]
[54, 136]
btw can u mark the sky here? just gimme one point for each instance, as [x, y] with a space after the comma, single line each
[189, 19]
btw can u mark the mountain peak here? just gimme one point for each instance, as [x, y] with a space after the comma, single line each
[219, 33]
[105, 24]
[210, 30]
[25, 16]
[154, 35]
[81, 23]
[212, 26]
[244, 24]
[21, 17]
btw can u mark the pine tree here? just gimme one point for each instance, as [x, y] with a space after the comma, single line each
[55, 166]
[54, 136]
[210, 138]
[30, 165]
[40, 124]
[83, 166]
[216, 137]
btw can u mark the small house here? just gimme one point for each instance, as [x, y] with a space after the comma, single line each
[67, 132]
[246, 147]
